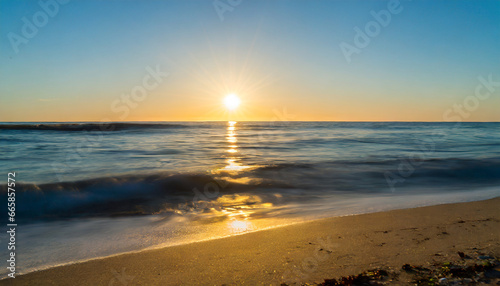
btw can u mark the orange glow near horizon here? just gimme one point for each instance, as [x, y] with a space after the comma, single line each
[253, 69]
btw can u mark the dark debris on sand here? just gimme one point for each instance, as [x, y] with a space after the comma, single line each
[372, 277]
[482, 270]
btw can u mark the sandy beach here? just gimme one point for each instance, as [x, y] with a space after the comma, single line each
[233, 142]
[302, 253]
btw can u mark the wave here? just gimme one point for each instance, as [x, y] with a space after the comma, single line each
[122, 195]
[105, 127]
[145, 194]
[245, 125]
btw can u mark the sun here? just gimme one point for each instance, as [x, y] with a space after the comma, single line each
[232, 101]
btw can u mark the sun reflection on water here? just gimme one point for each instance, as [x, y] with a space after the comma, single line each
[240, 226]
[232, 160]
[237, 209]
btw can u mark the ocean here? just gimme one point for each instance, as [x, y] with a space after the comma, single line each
[90, 190]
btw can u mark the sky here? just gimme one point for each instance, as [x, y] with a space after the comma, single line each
[312, 60]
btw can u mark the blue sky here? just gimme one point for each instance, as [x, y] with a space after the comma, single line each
[273, 54]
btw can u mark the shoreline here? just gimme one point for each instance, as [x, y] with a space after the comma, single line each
[324, 247]
[412, 201]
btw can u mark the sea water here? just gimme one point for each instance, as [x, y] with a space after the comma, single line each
[90, 190]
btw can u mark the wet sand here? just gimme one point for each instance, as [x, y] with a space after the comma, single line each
[301, 253]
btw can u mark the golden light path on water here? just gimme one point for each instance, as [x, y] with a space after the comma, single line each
[238, 219]
[232, 140]
[236, 213]
[231, 212]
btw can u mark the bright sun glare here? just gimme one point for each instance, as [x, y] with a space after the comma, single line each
[232, 101]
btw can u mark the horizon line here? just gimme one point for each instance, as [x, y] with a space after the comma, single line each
[361, 121]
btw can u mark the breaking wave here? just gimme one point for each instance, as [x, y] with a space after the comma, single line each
[106, 127]
[145, 194]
